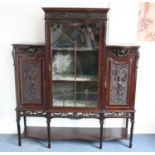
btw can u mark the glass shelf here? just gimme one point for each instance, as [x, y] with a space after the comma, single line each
[81, 78]
[72, 103]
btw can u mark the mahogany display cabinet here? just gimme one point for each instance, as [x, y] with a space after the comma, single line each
[75, 75]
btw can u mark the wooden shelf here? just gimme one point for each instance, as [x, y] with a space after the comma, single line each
[67, 133]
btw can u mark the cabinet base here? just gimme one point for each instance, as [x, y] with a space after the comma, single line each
[68, 133]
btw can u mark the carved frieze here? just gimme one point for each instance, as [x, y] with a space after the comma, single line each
[33, 113]
[74, 115]
[77, 15]
[117, 115]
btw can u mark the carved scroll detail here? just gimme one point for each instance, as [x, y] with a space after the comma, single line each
[29, 51]
[121, 52]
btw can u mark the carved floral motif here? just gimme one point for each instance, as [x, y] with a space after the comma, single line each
[31, 83]
[119, 84]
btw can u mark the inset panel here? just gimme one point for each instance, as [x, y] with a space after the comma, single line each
[31, 83]
[87, 94]
[119, 84]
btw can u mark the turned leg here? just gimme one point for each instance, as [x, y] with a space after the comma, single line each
[25, 125]
[101, 130]
[131, 131]
[48, 132]
[18, 127]
[127, 122]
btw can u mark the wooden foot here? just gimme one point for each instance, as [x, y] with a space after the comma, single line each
[127, 122]
[49, 145]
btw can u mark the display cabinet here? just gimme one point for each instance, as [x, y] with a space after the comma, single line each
[75, 75]
[75, 45]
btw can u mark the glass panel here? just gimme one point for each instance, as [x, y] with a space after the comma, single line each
[81, 100]
[87, 94]
[61, 36]
[63, 65]
[92, 99]
[65, 36]
[75, 64]
[87, 66]
[119, 84]
[63, 94]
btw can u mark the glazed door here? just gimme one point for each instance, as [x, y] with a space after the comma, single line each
[76, 53]
[120, 80]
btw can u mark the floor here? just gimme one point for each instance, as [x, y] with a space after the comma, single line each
[141, 143]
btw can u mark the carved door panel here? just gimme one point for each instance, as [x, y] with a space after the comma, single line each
[120, 79]
[29, 70]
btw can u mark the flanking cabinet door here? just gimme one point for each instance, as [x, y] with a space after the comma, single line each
[120, 77]
[30, 75]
